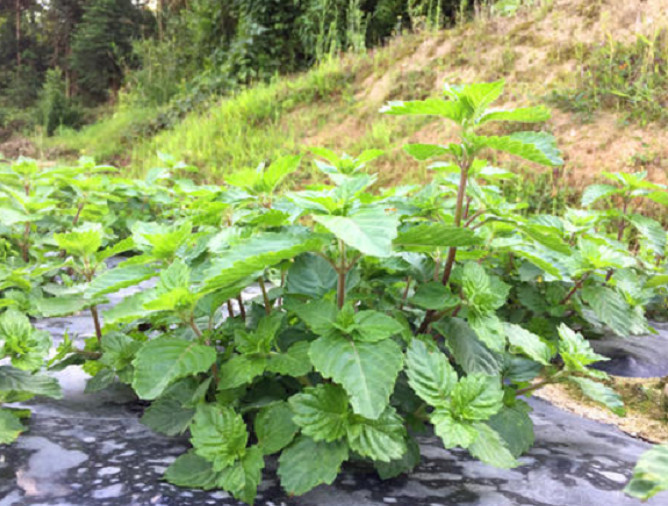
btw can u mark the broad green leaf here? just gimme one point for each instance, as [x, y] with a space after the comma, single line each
[430, 107]
[650, 475]
[254, 255]
[274, 427]
[600, 393]
[322, 412]
[660, 197]
[596, 192]
[477, 397]
[164, 360]
[433, 295]
[452, 432]
[10, 427]
[373, 326]
[652, 233]
[470, 354]
[319, 316]
[278, 171]
[81, 242]
[293, 362]
[296, 467]
[261, 339]
[16, 380]
[423, 152]
[489, 329]
[164, 241]
[366, 370]
[429, 373]
[191, 471]
[478, 96]
[528, 343]
[172, 412]
[115, 279]
[240, 370]
[429, 237]
[119, 350]
[61, 306]
[491, 449]
[484, 293]
[219, 435]
[515, 427]
[405, 464]
[167, 415]
[24, 345]
[311, 275]
[538, 147]
[523, 114]
[610, 307]
[382, 440]
[100, 381]
[657, 281]
[575, 351]
[243, 477]
[369, 230]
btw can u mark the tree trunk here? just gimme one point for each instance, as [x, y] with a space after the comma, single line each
[18, 35]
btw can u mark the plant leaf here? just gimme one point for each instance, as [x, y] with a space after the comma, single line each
[366, 370]
[429, 237]
[369, 230]
[528, 343]
[650, 475]
[600, 393]
[274, 427]
[322, 412]
[491, 449]
[219, 435]
[538, 147]
[429, 373]
[296, 470]
[381, 440]
[164, 360]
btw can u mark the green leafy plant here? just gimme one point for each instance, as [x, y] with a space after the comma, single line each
[338, 321]
[650, 475]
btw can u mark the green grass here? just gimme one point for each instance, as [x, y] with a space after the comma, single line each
[107, 140]
[249, 127]
[630, 79]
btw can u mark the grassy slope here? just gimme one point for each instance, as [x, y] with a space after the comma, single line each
[536, 51]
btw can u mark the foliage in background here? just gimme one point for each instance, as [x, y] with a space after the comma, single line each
[55, 108]
[632, 79]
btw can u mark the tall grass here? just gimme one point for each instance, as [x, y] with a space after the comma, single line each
[247, 128]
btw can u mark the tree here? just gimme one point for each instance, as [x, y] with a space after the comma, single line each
[102, 45]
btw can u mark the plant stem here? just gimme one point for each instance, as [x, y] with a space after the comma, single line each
[75, 220]
[230, 309]
[265, 296]
[242, 309]
[575, 288]
[478, 213]
[25, 246]
[341, 282]
[461, 192]
[405, 295]
[198, 333]
[96, 323]
[452, 252]
[538, 385]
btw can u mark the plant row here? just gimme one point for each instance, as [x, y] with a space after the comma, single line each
[335, 322]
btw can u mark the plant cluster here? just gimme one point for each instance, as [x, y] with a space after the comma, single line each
[630, 78]
[335, 322]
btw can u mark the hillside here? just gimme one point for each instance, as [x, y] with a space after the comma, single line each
[558, 52]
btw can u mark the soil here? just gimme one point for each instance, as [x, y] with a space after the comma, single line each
[646, 401]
